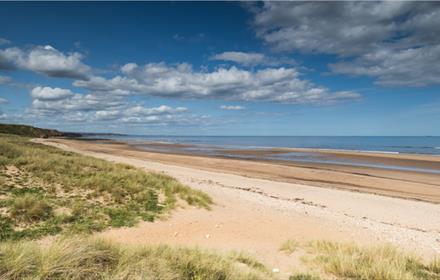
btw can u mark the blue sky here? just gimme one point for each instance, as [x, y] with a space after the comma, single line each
[217, 68]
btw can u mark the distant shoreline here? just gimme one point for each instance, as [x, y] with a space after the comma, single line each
[425, 163]
[410, 145]
[396, 183]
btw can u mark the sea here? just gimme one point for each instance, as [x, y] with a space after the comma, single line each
[429, 145]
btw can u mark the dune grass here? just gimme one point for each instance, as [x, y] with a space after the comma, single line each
[30, 208]
[289, 246]
[45, 191]
[76, 258]
[348, 261]
[304, 276]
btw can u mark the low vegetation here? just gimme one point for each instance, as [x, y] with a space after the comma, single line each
[97, 259]
[289, 246]
[30, 208]
[348, 261]
[304, 276]
[30, 131]
[45, 191]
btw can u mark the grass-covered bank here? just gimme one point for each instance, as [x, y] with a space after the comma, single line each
[44, 191]
[88, 258]
[332, 260]
[349, 261]
[30, 131]
[97, 259]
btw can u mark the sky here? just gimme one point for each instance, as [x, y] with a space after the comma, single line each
[222, 68]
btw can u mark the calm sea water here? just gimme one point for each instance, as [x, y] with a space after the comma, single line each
[386, 144]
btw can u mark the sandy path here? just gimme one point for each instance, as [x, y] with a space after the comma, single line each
[257, 215]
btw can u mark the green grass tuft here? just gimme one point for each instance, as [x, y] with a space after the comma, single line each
[303, 276]
[30, 208]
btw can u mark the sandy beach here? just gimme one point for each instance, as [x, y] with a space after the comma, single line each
[259, 205]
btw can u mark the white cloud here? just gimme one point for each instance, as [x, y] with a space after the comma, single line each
[4, 41]
[63, 104]
[232, 107]
[343, 28]
[163, 109]
[107, 115]
[3, 101]
[74, 103]
[392, 41]
[116, 86]
[45, 60]
[129, 67]
[4, 80]
[281, 84]
[243, 58]
[48, 93]
[403, 67]
[252, 59]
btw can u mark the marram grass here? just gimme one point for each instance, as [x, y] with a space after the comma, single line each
[289, 246]
[76, 258]
[349, 261]
[45, 191]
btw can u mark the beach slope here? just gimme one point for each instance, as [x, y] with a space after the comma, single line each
[257, 213]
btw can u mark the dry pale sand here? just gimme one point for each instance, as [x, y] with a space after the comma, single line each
[256, 213]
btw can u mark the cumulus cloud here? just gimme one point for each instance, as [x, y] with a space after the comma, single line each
[404, 67]
[45, 103]
[373, 38]
[107, 115]
[140, 114]
[48, 93]
[232, 107]
[58, 103]
[45, 60]
[281, 84]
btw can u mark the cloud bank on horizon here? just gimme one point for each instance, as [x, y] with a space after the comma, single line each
[394, 44]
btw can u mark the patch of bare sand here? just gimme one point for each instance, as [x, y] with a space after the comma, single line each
[258, 215]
